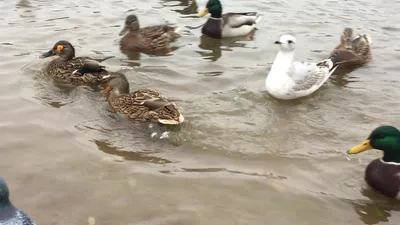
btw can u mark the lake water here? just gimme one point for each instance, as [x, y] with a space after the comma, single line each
[241, 157]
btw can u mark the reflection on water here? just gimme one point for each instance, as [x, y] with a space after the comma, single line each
[106, 147]
[184, 7]
[376, 210]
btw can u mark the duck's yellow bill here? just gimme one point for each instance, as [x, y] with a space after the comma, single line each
[366, 145]
[204, 12]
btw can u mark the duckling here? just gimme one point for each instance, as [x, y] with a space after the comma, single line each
[9, 214]
[68, 69]
[229, 24]
[142, 104]
[383, 174]
[146, 39]
[354, 52]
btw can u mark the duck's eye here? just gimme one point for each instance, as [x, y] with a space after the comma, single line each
[290, 42]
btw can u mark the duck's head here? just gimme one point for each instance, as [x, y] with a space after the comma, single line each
[385, 138]
[63, 49]
[116, 85]
[286, 42]
[4, 194]
[346, 38]
[131, 24]
[214, 7]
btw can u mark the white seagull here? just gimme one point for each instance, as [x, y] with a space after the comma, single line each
[289, 80]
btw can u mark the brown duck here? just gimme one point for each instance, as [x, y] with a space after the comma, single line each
[142, 105]
[68, 69]
[354, 52]
[147, 39]
[383, 174]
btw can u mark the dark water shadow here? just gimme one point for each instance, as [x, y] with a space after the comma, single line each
[108, 148]
[135, 55]
[342, 77]
[376, 210]
[190, 7]
[217, 46]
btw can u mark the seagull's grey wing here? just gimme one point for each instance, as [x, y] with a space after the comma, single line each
[306, 75]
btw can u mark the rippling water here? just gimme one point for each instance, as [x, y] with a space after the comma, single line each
[242, 157]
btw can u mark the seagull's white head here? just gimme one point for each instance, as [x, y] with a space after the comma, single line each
[286, 42]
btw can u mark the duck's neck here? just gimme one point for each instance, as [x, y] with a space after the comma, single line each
[392, 156]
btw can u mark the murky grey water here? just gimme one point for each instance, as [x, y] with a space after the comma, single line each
[242, 157]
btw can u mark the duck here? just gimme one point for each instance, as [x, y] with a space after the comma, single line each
[9, 214]
[140, 105]
[232, 24]
[68, 69]
[354, 51]
[289, 79]
[147, 39]
[383, 174]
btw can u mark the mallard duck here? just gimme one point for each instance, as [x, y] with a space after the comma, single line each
[142, 105]
[146, 39]
[229, 24]
[9, 215]
[383, 174]
[289, 80]
[68, 69]
[354, 52]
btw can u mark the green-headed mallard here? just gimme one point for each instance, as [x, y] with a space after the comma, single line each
[383, 174]
[9, 215]
[354, 52]
[147, 39]
[142, 105]
[68, 69]
[229, 24]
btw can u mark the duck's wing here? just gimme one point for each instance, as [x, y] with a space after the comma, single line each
[153, 32]
[146, 104]
[87, 65]
[236, 20]
[361, 44]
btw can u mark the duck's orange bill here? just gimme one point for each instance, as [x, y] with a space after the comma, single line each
[366, 145]
[60, 47]
[106, 90]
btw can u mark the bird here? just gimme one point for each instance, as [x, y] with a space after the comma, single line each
[147, 39]
[140, 105]
[9, 214]
[383, 174]
[68, 69]
[289, 79]
[232, 24]
[354, 51]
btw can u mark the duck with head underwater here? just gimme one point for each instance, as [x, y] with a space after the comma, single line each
[146, 39]
[142, 104]
[354, 51]
[68, 69]
[229, 24]
[9, 215]
[383, 174]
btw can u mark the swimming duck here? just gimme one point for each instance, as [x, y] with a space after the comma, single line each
[142, 105]
[146, 39]
[69, 69]
[354, 52]
[229, 24]
[383, 174]
[9, 215]
[289, 80]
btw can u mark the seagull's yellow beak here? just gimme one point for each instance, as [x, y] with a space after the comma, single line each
[204, 12]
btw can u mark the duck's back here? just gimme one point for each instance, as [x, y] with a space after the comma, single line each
[384, 177]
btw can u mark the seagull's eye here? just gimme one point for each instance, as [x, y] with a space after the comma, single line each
[290, 42]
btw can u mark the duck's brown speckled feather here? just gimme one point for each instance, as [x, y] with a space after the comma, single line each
[61, 71]
[145, 105]
[359, 55]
